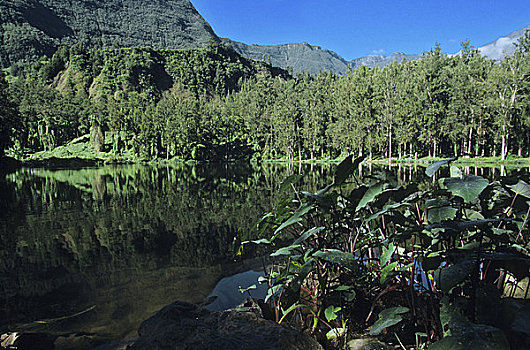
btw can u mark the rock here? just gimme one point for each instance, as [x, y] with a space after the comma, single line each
[186, 326]
[367, 344]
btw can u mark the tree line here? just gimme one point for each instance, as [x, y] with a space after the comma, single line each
[212, 104]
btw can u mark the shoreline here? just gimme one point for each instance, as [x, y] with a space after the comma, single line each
[101, 160]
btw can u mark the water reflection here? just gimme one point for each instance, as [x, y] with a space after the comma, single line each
[121, 242]
[99, 250]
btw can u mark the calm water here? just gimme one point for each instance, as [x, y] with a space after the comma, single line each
[99, 250]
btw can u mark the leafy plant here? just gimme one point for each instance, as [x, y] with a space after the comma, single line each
[362, 245]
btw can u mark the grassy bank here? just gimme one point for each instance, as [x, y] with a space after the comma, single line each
[81, 149]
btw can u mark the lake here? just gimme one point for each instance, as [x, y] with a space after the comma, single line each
[99, 250]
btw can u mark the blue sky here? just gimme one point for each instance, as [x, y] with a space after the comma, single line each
[355, 28]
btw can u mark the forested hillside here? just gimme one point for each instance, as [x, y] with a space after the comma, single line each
[32, 28]
[148, 102]
[212, 104]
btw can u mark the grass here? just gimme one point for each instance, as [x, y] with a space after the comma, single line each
[81, 148]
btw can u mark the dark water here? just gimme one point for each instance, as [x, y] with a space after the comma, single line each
[99, 250]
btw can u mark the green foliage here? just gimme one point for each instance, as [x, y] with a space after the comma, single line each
[399, 249]
[211, 104]
[467, 187]
[388, 318]
[8, 116]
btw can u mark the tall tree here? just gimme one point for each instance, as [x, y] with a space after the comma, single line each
[8, 115]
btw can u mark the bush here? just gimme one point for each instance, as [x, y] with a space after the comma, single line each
[424, 260]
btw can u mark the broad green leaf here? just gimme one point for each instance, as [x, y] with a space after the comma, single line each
[358, 161]
[439, 210]
[386, 254]
[334, 256]
[318, 196]
[521, 188]
[272, 291]
[301, 275]
[455, 171]
[433, 168]
[357, 195]
[386, 209]
[344, 170]
[296, 217]
[468, 187]
[285, 250]
[388, 317]
[387, 271]
[471, 214]
[343, 288]
[308, 234]
[347, 292]
[370, 195]
[331, 312]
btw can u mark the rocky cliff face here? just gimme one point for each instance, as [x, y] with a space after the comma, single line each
[299, 56]
[302, 57]
[32, 28]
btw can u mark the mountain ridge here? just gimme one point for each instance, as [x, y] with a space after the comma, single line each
[495, 50]
[297, 56]
[503, 46]
[33, 28]
[30, 29]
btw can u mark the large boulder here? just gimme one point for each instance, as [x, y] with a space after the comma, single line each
[187, 326]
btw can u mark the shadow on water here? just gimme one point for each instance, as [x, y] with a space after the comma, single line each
[99, 250]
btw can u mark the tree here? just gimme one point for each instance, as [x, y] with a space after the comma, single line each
[8, 115]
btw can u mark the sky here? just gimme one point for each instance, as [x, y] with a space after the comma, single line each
[356, 28]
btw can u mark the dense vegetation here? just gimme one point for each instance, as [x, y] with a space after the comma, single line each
[211, 104]
[446, 265]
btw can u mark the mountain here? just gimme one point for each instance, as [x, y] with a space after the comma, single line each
[32, 28]
[380, 61]
[503, 46]
[313, 59]
[298, 56]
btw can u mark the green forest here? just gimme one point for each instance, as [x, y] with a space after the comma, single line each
[211, 104]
